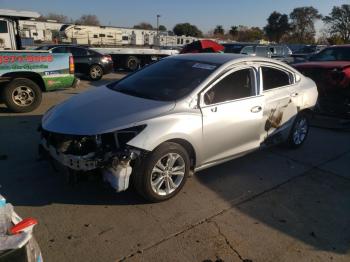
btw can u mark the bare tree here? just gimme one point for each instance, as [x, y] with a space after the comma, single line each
[88, 20]
[53, 16]
[144, 25]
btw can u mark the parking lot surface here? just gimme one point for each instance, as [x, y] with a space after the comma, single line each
[273, 205]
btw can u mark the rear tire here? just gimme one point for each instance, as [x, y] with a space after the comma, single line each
[163, 173]
[299, 131]
[95, 72]
[22, 95]
[133, 63]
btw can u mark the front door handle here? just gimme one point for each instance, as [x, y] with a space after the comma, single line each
[294, 94]
[214, 109]
[256, 109]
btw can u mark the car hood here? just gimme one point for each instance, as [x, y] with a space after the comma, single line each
[323, 65]
[101, 110]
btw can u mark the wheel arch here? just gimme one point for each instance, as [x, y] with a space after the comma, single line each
[307, 111]
[35, 77]
[188, 147]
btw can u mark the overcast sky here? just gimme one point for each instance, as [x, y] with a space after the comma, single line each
[205, 14]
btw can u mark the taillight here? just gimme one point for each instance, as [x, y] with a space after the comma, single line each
[71, 65]
[106, 58]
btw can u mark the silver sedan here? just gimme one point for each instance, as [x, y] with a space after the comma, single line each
[179, 115]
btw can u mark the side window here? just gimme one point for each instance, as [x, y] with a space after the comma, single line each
[239, 84]
[78, 51]
[3, 27]
[247, 50]
[273, 78]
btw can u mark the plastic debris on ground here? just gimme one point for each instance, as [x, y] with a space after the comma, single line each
[17, 242]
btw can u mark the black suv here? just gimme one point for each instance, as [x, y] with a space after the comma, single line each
[87, 62]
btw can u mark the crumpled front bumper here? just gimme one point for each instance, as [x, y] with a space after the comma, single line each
[78, 163]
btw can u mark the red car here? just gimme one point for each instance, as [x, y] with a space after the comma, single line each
[330, 69]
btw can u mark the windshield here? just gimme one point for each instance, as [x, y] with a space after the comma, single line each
[333, 54]
[166, 80]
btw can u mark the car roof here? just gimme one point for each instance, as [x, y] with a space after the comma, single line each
[216, 58]
[228, 59]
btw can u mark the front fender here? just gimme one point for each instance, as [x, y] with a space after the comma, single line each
[175, 126]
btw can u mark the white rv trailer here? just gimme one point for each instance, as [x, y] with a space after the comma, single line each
[106, 35]
[9, 27]
[39, 30]
[91, 35]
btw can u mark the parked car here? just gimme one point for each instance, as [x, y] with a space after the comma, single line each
[202, 46]
[87, 62]
[279, 52]
[235, 48]
[181, 114]
[305, 52]
[330, 69]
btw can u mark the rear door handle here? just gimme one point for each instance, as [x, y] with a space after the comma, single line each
[214, 109]
[294, 94]
[256, 109]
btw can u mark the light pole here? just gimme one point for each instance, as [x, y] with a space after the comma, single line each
[158, 16]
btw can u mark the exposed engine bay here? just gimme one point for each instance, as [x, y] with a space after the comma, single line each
[108, 153]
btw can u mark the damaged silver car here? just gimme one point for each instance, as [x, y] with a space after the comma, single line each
[179, 115]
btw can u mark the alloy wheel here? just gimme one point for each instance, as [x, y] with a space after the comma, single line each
[23, 96]
[167, 174]
[300, 130]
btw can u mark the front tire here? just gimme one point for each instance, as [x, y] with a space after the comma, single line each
[95, 72]
[163, 172]
[299, 131]
[22, 95]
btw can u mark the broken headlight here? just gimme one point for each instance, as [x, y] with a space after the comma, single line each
[122, 137]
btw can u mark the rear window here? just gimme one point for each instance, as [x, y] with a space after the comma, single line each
[78, 51]
[166, 80]
[60, 49]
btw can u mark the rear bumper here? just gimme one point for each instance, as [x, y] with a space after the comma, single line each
[107, 68]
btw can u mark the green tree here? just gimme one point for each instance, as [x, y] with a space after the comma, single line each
[277, 26]
[249, 34]
[162, 28]
[233, 31]
[303, 24]
[88, 20]
[187, 29]
[144, 25]
[219, 30]
[339, 22]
